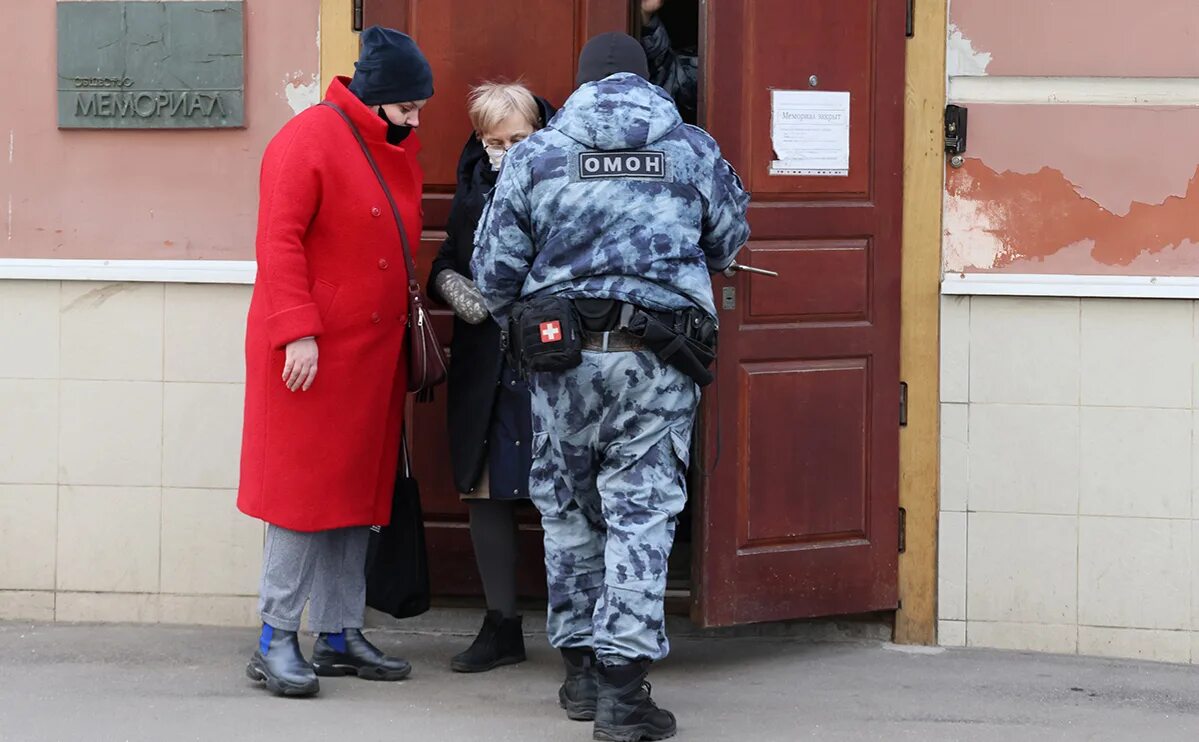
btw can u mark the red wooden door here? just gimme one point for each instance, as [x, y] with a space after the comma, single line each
[467, 42]
[800, 517]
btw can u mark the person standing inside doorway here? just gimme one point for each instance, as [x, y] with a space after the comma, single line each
[604, 227]
[320, 447]
[675, 70]
[488, 405]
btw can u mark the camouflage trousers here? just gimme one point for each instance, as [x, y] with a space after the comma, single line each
[611, 446]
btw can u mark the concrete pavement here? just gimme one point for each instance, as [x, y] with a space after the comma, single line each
[157, 684]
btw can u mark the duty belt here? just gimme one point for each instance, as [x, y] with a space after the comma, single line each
[684, 338]
[612, 341]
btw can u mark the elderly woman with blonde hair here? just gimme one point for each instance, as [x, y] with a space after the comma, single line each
[489, 419]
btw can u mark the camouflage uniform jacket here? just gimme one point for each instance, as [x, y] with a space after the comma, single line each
[616, 198]
[674, 71]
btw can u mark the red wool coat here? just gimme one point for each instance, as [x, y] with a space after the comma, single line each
[330, 265]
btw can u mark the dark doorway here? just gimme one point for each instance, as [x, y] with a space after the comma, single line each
[672, 38]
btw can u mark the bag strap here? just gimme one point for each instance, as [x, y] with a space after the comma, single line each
[405, 454]
[413, 284]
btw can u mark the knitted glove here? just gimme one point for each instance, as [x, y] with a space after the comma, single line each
[460, 293]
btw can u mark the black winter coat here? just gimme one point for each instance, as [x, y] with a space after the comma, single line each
[475, 358]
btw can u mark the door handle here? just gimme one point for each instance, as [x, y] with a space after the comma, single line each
[736, 267]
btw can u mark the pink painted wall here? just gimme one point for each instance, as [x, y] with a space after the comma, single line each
[142, 194]
[1076, 190]
[1131, 38]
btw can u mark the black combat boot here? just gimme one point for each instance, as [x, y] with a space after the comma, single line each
[279, 663]
[501, 641]
[577, 694]
[349, 653]
[624, 710]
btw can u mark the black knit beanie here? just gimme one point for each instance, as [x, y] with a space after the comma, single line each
[609, 53]
[391, 69]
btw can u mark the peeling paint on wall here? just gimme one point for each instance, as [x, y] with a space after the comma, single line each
[970, 231]
[1019, 221]
[961, 56]
[301, 93]
[1114, 155]
[1085, 38]
[1076, 189]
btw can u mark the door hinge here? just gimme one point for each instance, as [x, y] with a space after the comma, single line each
[358, 13]
[910, 28]
[903, 404]
[728, 298]
[903, 530]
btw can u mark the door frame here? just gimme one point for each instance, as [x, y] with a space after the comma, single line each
[920, 322]
[924, 171]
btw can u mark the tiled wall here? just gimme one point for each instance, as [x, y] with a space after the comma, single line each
[1070, 505]
[120, 425]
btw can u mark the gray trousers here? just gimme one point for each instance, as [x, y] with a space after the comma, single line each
[325, 569]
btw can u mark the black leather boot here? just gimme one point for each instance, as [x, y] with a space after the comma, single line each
[501, 641]
[356, 657]
[624, 710]
[281, 666]
[577, 694]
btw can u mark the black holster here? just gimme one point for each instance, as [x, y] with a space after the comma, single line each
[685, 339]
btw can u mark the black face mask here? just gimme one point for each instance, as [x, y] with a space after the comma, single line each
[396, 133]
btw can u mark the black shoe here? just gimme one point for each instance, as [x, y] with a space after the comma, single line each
[577, 694]
[283, 668]
[500, 642]
[360, 658]
[624, 711]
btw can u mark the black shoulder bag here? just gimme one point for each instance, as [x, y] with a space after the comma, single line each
[397, 564]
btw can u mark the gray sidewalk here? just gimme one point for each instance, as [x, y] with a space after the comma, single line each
[163, 684]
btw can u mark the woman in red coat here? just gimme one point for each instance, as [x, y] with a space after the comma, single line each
[321, 441]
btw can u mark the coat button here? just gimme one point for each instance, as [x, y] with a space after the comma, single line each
[383, 265]
[375, 211]
[375, 318]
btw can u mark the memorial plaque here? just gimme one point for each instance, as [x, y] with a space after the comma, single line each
[178, 64]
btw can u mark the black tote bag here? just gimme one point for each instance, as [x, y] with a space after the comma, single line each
[397, 564]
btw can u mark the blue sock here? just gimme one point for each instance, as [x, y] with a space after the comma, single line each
[264, 639]
[337, 641]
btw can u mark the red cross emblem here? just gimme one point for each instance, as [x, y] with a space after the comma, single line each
[551, 332]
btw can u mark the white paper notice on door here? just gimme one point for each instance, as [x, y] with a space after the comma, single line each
[809, 131]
